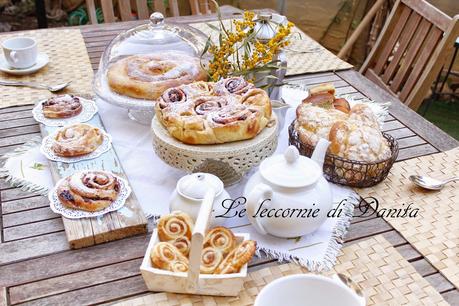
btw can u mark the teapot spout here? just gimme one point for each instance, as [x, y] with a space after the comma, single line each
[319, 152]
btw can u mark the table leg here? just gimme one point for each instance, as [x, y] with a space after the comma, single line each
[41, 13]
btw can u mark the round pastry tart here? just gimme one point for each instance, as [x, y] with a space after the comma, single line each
[77, 139]
[147, 76]
[210, 113]
[62, 106]
[89, 193]
[75, 143]
[64, 110]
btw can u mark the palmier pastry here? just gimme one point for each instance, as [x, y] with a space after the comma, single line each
[175, 225]
[63, 106]
[210, 260]
[89, 190]
[237, 258]
[165, 256]
[182, 244]
[148, 76]
[77, 139]
[221, 239]
[229, 110]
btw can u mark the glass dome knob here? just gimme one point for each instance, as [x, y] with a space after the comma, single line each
[157, 18]
[264, 17]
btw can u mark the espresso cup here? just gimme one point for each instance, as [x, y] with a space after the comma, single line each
[20, 52]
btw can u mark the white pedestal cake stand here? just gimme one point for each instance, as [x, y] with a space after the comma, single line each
[229, 161]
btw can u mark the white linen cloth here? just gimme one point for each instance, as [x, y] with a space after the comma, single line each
[153, 182]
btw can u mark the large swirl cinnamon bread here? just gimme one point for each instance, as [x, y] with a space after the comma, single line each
[210, 113]
[147, 76]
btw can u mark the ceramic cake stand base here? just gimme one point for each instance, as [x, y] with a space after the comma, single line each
[228, 161]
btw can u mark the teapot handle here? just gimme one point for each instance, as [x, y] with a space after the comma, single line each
[255, 198]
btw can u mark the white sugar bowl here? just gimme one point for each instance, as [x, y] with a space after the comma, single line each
[190, 191]
[288, 196]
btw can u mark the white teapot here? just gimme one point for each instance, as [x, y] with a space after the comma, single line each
[190, 191]
[288, 196]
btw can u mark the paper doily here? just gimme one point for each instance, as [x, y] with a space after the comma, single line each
[59, 208]
[88, 111]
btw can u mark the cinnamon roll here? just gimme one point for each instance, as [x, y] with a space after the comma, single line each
[221, 239]
[175, 225]
[89, 190]
[211, 113]
[210, 259]
[77, 139]
[165, 256]
[238, 257]
[234, 85]
[209, 104]
[62, 106]
[148, 76]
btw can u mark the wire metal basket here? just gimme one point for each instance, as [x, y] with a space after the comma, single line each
[348, 172]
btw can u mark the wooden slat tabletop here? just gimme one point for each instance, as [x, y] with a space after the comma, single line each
[38, 268]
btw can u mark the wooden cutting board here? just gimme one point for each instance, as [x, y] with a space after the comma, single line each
[128, 221]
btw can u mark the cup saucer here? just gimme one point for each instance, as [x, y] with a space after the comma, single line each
[42, 61]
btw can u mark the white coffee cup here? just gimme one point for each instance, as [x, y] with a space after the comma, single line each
[20, 52]
[308, 289]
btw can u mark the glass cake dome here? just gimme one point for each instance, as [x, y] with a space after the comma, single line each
[154, 37]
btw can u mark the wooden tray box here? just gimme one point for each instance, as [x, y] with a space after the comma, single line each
[208, 284]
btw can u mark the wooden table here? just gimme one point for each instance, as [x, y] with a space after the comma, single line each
[37, 266]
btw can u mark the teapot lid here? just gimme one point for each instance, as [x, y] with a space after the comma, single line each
[290, 169]
[195, 185]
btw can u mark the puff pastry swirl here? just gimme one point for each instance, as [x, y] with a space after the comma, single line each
[221, 239]
[175, 225]
[62, 106]
[165, 256]
[89, 190]
[238, 257]
[77, 139]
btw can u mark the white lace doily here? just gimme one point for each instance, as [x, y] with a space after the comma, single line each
[88, 111]
[47, 143]
[58, 208]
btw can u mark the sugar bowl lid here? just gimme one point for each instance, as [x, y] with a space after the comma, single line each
[290, 169]
[196, 185]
